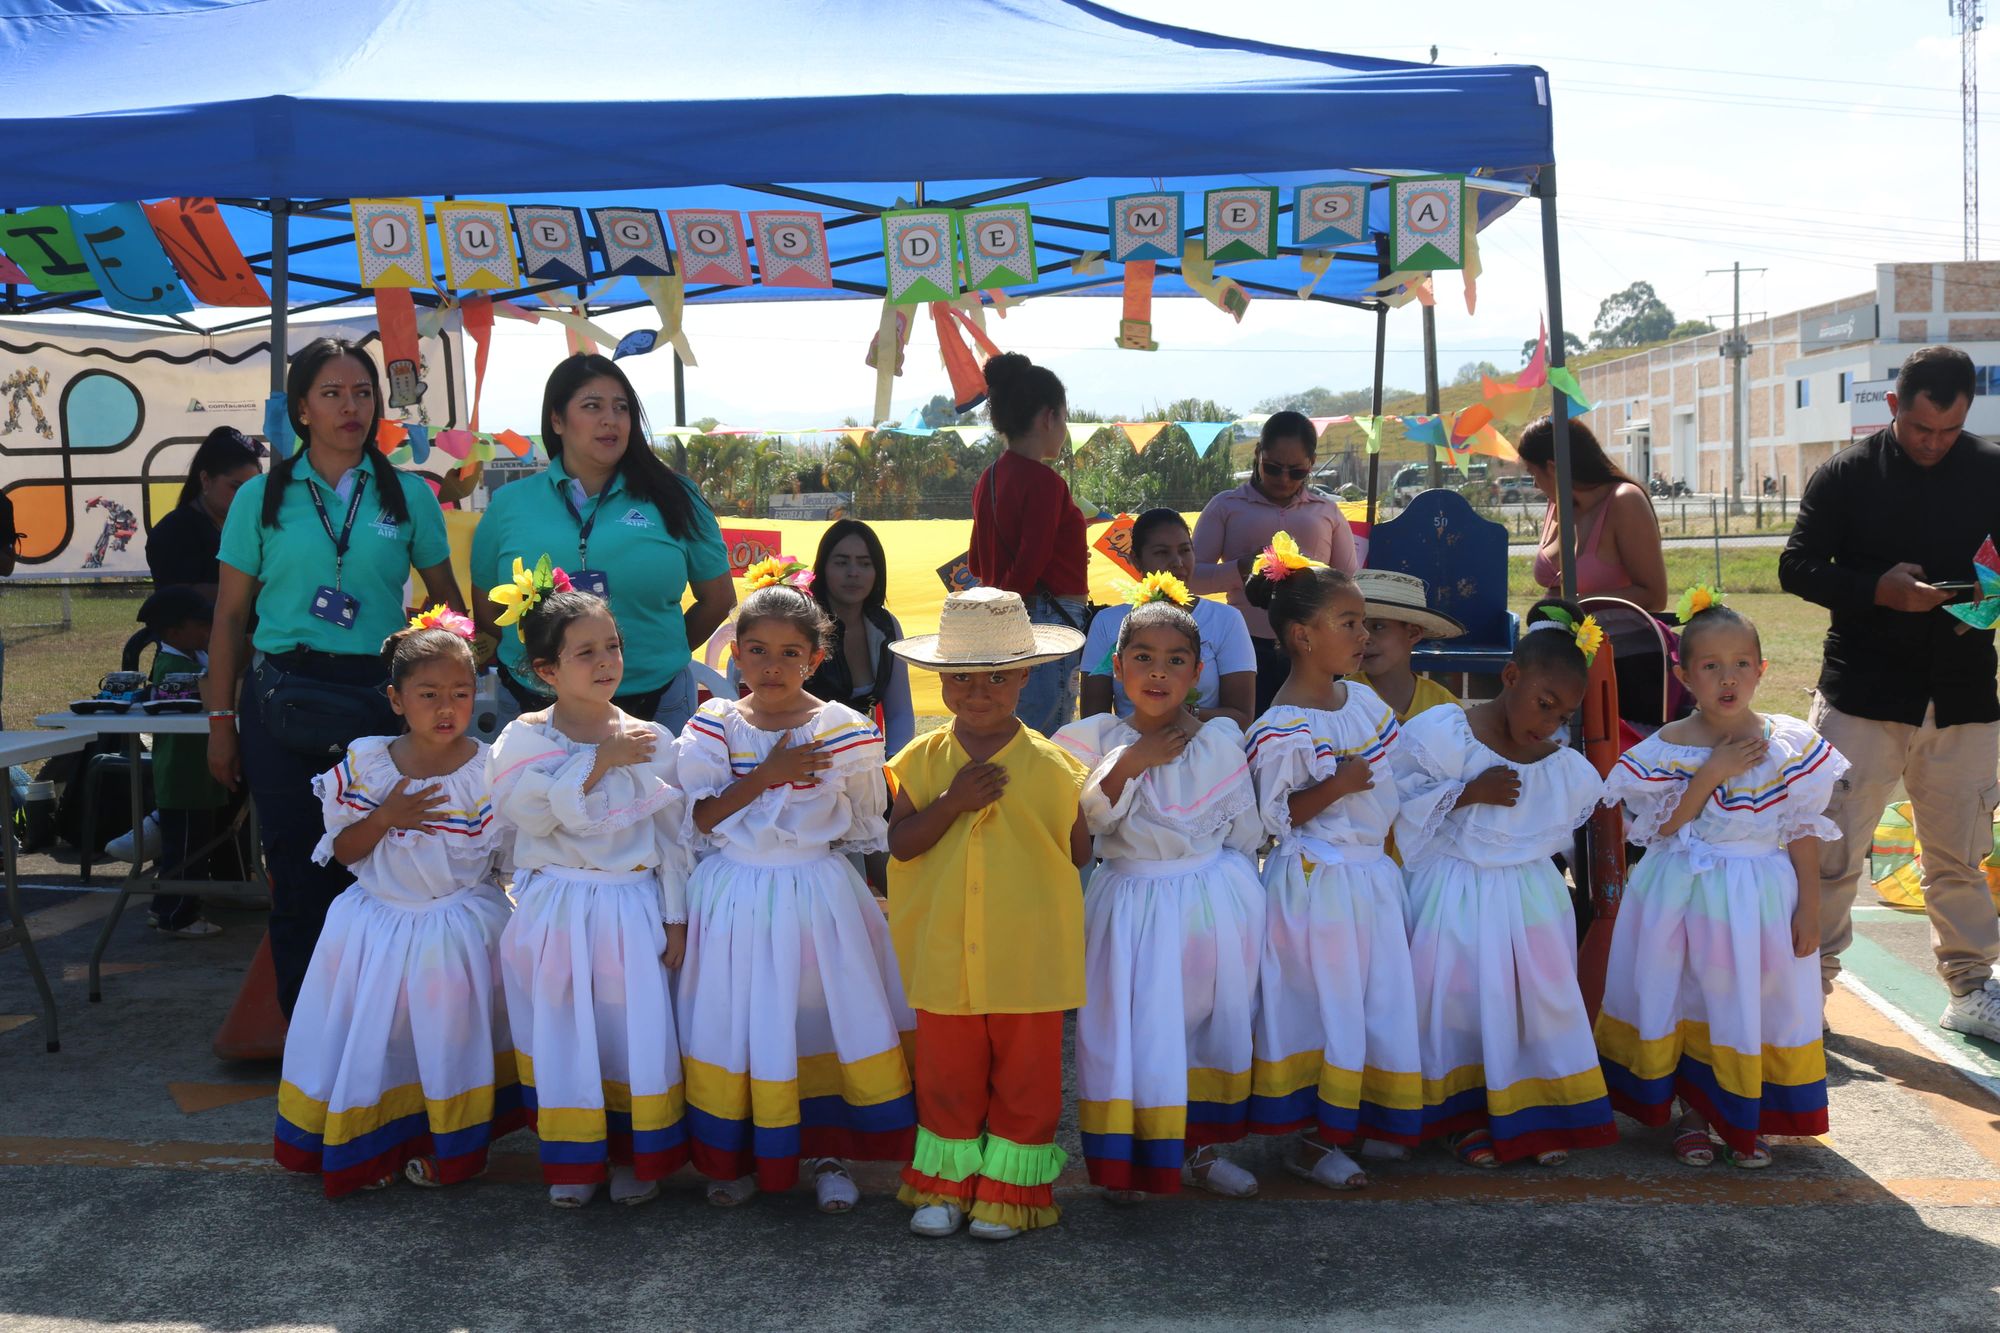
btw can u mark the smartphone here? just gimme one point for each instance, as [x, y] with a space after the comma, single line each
[1952, 587]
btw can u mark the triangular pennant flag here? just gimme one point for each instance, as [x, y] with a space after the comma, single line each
[456, 442]
[857, 435]
[1468, 421]
[1563, 378]
[517, 444]
[1204, 434]
[1081, 431]
[1536, 373]
[419, 438]
[1511, 406]
[1425, 430]
[1141, 433]
[1371, 428]
[390, 434]
[1492, 443]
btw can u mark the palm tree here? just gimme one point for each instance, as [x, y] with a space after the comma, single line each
[714, 465]
[765, 467]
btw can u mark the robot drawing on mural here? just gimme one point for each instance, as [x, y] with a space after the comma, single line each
[26, 386]
[120, 526]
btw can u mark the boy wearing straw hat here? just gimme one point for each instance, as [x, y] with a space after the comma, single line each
[1398, 618]
[986, 912]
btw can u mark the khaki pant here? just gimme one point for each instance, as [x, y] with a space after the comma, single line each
[1949, 773]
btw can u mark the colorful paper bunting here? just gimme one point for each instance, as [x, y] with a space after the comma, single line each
[999, 242]
[278, 431]
[131, 270]
[41, 242]
[10, 272]
[456, 442]
[920, 247]
[1564, 379]
[1241, 223]
[1984, 610]
[1323, 211]
[1511, 405]
[791, 248]
[478, 246]
[552, 243]
[1536, 373]
[634, 242]
[1225, 294]
[1425, 430]
[199, 242]
[393, 246]
[1427, 223]
[1135, 328]
[1146, 226]
[1204, 434]
[418, 440]
[1371, 430]
[711, 245]
[669, 300]
[1141, 433]
[396, 324]
[1081, 431]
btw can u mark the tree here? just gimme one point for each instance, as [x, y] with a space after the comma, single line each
[764, 468]
[887, 471]
[940, 412]
[1691, 328]
[1572, 346]
[713, 465]
[1472, 371]
[1632, 318]
[1317, 402]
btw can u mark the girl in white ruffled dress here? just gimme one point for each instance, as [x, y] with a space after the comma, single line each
[600, 889]
[398, 1057]
[1173, 919]
[791, 1007]
[1489, 795]
[1336, 1037]
[1712, 992]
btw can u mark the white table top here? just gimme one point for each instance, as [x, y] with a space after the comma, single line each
[24, 747]
[125, 724]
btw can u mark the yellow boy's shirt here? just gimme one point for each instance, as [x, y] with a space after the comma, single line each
[1429, 694]
[990, 920]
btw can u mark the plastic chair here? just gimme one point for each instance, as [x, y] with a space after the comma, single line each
[1462, 559]
[1645, 651]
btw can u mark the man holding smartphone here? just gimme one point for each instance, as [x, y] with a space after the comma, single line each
[1886, 534]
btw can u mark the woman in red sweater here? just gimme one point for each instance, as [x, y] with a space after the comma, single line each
[1027, 534]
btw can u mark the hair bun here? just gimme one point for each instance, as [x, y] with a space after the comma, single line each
[1257, 591]
[1006, 368]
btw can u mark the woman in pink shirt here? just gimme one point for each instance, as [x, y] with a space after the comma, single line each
[1237, 525]
[1617, 537]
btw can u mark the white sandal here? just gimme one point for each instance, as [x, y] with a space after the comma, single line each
[571, 1196]
[1330, 1167]
[730, 1193]
[833, 1187]
[627, 1188]
[1218, 1175]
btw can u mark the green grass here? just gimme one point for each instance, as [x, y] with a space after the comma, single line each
[48, 666]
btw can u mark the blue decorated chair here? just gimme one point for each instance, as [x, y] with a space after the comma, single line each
[1462, 559]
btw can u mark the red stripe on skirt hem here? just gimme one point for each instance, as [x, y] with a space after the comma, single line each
[1112, 1174]
[782, 1173]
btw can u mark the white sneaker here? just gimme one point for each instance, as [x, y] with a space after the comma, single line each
[122, 847]
[1976, 1013]
[938, 1219]
[981, 1229]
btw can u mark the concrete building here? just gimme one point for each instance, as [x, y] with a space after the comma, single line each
[1813, 380]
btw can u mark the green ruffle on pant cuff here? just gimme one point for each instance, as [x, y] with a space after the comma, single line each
[1019, 1164]
[946, 1159]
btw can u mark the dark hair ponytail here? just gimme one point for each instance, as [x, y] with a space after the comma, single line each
[299, 379]
[1552, 649]
[1295, 598]
[225, 450]
[646, 474]
[1018, 391]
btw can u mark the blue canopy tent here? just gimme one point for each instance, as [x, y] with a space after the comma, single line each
[666, 103]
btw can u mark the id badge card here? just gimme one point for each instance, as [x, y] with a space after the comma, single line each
[593, 581]
[335, 607]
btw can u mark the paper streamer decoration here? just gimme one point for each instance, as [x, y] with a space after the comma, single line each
[1204, 434]
[999, 241]
[278, 430]
[668, 297]
[1427, 223]
[390, 435]
[1135, 329]
[419, 440]
[198, 241]
[1984, 609]
[1224, 294]
[1146, 226]
[1511, 405]
[1241, 223]
[389, 236]
[919, 246]
[478, 315]
[457, 443]
[478, 246]
[791, 248]
[634, 241]
[125, 258]
[711, 245]
[515, 443]
[1536, 373]
[1473, 268]
[1320, 212]
[1089, 264]
[1425, 430]
[1371, 430]
[1563, 378]
[1141, 433]
[885, 353]
[636, 343]
[552, 242]
[10, 272]
[41, 242]
[968, 375]
[396, 321]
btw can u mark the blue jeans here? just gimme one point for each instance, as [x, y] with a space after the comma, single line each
[1048, 700]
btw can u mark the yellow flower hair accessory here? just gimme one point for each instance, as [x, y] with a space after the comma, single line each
[1695, 600]
[778, 569]
[524, 592]
[1282, 558]
[1589, 638]
[444, 618]
[1159, 588]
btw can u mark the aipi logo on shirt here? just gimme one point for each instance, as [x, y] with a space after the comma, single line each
[636, 518]
[385, 525]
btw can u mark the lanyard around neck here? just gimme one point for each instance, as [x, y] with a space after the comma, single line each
[346, 529]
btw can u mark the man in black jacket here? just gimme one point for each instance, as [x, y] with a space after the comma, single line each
[1907, 692]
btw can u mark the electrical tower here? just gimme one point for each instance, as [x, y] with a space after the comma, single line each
[1968, 19]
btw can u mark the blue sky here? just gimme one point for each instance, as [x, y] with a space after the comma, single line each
[1812, 140]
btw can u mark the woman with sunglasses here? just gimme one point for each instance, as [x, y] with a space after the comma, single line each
[1237, 525]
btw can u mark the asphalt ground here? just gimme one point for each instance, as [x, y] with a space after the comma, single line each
[137, 1192]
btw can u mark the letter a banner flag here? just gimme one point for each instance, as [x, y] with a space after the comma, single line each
[1427, 223]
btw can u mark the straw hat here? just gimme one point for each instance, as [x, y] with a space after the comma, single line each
[1388, 595]
[986, 627]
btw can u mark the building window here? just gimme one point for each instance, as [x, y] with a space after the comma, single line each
[1985, 380]
[1846, 384]
[1802, 395]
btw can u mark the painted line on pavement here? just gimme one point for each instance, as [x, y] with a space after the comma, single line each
[1910, 998]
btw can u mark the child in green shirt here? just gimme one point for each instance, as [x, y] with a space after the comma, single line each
[190, 801]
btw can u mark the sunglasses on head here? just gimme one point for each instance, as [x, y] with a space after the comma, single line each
[1276, 470]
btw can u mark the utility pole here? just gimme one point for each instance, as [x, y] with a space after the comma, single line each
[1969, 20]
[1737, 348]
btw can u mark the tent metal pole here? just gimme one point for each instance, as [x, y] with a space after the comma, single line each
[1375, 407]
[13, 292]
[281, 284]
[1545, 189]
[680, 414]
[1431, 386]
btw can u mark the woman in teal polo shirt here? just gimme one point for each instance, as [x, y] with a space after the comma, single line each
[622, 524]
[320, 549]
